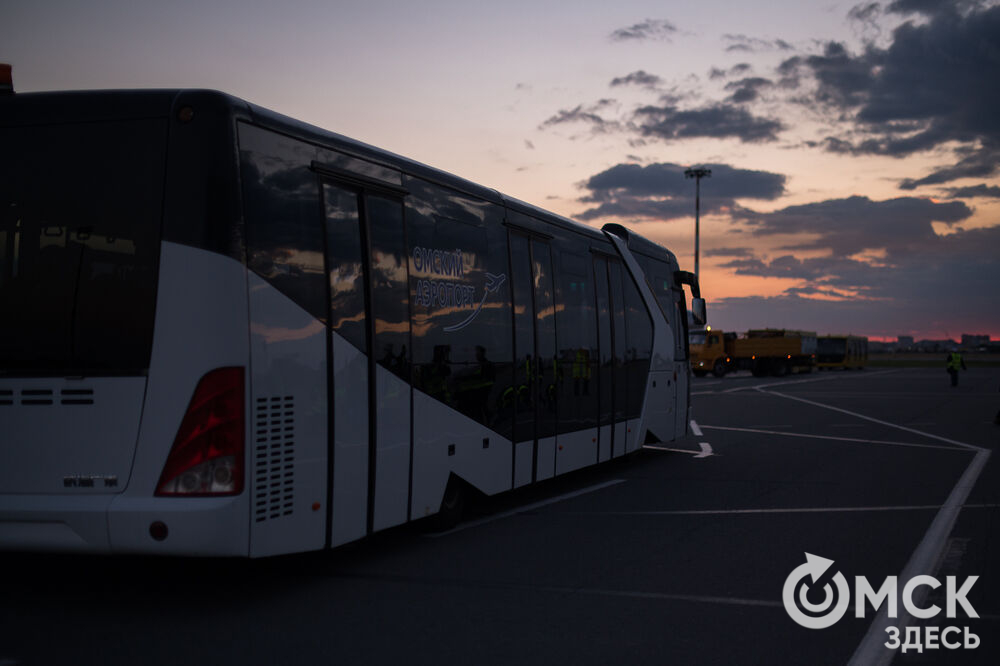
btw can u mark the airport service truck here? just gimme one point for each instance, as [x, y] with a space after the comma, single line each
[770, 351]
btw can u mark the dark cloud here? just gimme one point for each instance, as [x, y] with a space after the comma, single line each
[661, 191]
[718, 121]
[865, 12]
[789, 72]
[933, 86]
[844, 81]
[867, 15]
[747, 90]
[975, 191]
[925, 7]
[639, 78]
[852, 225]
[588, 115]
[825, 273]
[648, 29]
[736, 70]
[754, 44]
[947, 283]
[980, 163]
[728, 252]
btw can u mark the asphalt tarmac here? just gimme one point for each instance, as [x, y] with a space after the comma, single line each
[667, 557]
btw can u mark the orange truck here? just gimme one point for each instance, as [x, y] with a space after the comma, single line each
[769, 351]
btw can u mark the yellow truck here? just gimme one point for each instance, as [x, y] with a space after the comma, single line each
[769, 351]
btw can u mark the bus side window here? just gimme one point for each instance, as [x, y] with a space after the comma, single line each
[284, 234]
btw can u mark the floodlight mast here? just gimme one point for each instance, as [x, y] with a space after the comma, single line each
[697, 173]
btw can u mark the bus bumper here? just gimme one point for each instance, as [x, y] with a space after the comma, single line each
[119, 524]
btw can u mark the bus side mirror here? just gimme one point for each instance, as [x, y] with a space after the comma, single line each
[698, 313]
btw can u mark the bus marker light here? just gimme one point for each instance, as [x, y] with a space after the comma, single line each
[158, 531]
[316, 506]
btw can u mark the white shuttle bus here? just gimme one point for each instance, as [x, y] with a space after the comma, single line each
[225, 332]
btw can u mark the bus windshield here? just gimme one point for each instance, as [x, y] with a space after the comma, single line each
[79, 240]
[697, 338]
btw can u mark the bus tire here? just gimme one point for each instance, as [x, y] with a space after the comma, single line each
[719, 369]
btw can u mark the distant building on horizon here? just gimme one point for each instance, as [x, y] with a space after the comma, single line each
[905, 342]
[973, 342]
[937, 346]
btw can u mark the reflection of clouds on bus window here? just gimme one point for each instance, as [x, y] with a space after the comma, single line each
[272, 334]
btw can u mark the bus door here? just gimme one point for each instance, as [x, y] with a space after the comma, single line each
[611, 352]
[535, 358]
[370, 443]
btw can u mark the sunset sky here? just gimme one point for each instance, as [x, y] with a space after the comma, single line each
[855, 148]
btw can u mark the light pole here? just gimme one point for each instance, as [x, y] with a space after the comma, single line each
[697, 173]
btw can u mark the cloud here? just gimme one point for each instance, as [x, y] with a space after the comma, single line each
[735, 70]
[588, 115]
[980, 163]
[754, 44]
[638, 78]
[866, 12]
[852, 225]
[933, 86]
[728, 252]
[661, 191]
[945, 283]
[649, 29]
[748, 89]
[867, 16]
[926, 7]
[975, 191]
[718, 121]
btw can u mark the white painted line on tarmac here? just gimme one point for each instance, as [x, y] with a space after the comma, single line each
[872, 648]
[835, 439]
[791, 382]
[706, 450]
[695, 429]
[752, 512]
[524, 509]
[873, 420]
[731, 601]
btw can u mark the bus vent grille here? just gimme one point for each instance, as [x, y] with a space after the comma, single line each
[274, 457]
[36, 397]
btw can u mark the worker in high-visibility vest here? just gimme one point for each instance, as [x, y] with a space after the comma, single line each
[954, 363]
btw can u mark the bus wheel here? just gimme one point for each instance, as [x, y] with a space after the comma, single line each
[779, 369]
[719, 370]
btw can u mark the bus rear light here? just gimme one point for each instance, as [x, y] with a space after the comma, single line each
[207, 455]
[6, 79]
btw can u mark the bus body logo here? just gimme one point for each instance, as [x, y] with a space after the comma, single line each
[90, 481]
